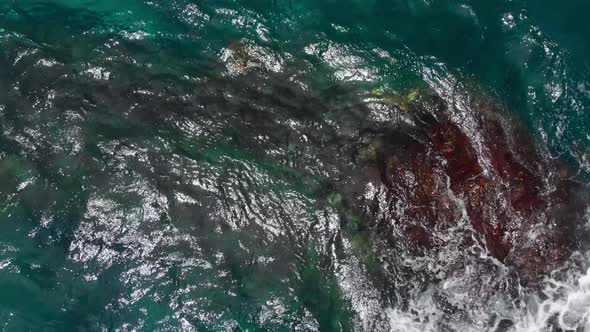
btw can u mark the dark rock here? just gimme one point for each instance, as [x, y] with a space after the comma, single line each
[525, 207]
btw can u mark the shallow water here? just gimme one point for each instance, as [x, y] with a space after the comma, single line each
[187, 165]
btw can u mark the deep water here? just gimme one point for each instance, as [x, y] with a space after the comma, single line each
[186, 165]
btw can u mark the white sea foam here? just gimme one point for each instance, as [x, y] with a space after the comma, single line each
[562, 305]
[567, 306]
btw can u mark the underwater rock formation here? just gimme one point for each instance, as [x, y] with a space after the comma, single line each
[523, 206]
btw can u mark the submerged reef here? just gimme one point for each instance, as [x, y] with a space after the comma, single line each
[484, 169]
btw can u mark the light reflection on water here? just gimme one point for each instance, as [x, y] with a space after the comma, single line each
[195, 166]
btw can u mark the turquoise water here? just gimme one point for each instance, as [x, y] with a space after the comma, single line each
[177, 165]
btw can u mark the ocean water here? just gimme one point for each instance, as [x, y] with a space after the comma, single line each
[185, 165]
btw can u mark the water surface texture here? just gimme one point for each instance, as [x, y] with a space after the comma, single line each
[189, 165]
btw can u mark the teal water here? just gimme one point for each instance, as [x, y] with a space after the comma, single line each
[167, 165]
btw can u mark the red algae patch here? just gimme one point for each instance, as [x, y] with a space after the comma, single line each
[524, 207]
